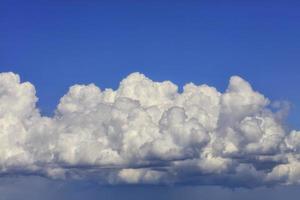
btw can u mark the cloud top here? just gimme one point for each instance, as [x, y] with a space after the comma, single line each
[146, 132]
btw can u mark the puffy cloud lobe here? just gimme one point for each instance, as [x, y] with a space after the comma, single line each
[146, 132]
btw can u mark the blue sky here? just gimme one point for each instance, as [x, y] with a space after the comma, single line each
[55, 44]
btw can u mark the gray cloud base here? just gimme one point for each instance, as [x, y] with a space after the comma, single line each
[146, 132]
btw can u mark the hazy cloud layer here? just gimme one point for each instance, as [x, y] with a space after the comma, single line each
[146, 132]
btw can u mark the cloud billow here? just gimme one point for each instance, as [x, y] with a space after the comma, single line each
[146, 132]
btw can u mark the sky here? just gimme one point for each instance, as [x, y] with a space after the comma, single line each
[56, 44]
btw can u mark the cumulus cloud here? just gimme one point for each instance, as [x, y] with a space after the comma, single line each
[147, 132]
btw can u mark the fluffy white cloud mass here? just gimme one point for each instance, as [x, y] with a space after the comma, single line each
[146, 132]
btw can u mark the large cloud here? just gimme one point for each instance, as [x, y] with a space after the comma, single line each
[146, 132]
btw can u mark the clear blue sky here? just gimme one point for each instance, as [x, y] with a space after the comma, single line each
[55, 44]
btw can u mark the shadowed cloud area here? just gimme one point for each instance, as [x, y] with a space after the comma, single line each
[40, 188]
[148, 133]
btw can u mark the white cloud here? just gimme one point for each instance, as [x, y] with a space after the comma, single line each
[146, 132]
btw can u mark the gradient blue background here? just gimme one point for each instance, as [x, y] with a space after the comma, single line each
[55, 44]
